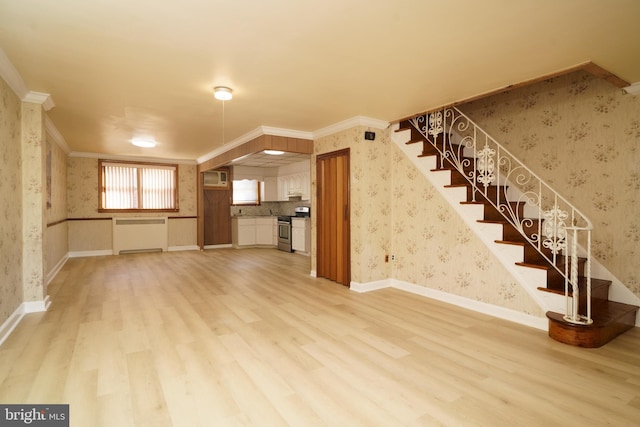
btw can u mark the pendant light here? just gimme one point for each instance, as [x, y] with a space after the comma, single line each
[222, 93]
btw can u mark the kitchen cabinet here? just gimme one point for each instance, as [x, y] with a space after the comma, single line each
[300, 235]
[244, 231]
[264, 231]
[297, 184]
[253, 231]
[269, 189]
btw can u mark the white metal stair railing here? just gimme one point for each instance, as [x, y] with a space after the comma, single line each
[557, 229]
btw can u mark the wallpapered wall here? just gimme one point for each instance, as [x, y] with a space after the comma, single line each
[57, 235]
[370, 179]
[33, 161]
[82, 202]
[10, 203]
[581, 135]
[436, 249]
[396, 210]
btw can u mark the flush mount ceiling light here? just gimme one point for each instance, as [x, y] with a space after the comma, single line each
[222, 93]
[143, 142]
[274, 152]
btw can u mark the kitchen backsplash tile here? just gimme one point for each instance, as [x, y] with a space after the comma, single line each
[268, 208]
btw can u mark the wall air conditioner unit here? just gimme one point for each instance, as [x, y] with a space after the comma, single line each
[215, 179]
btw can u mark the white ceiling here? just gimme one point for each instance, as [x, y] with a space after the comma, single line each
[123, 68]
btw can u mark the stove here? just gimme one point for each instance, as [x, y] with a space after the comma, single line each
[284, 233]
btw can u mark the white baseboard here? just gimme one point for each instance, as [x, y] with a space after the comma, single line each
[81, 254]
[371, 286]
[57, 268]
[469, 304]
[10, 324]
[183, 248]
[37, 306]
[16, 317]
[229, 245]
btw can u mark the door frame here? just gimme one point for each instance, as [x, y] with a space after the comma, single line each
[346, 215]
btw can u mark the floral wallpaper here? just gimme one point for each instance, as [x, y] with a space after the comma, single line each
[370, 180]
[581, 135]
[10, 203]
[82, 202]
[33, 201]
[395, 210]
[56, 235]
[436, 249]
[58, 209]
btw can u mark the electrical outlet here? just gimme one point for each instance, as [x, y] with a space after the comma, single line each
[386, 258]
[393, 257]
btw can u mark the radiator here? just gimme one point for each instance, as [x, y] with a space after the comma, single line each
[139, 235]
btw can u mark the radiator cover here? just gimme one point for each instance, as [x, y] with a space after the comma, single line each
[140, 235]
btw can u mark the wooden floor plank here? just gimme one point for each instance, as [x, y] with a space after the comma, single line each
[248, 338]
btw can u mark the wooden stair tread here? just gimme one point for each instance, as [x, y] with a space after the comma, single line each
[596, 284]
[511, 242]
[603, 313]
[610, 319]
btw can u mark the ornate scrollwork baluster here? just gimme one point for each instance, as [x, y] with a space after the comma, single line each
[486, 166]
[555, 229]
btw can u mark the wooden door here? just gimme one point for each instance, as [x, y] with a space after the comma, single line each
[217, 217]
[333, 248]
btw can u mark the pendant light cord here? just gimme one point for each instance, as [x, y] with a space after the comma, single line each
[223, 123]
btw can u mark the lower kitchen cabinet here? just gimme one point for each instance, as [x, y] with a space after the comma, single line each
[300, 235]
[264, 231]
[253, 231]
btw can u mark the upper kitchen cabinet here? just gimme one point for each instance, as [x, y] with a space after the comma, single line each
[294, 180]
[269, 189]
[295, 185]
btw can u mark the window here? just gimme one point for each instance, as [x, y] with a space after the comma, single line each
[127, 186]
[246, 192]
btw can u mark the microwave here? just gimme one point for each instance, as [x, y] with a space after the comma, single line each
[215, 179]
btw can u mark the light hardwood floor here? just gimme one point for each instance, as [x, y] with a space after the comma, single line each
[248, 338]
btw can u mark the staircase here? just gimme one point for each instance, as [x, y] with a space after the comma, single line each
[536, 229]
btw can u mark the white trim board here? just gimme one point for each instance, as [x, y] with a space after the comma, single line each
[16, 317]
[184, 248]
[462, 302]
[81, 254]
[54, 271]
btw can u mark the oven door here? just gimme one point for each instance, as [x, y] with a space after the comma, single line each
[284, 236]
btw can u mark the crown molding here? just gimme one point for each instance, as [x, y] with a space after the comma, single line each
[633, 89]
[86, 155]
[10, 74]
[55, 134]
[350, 123]
[288, 133]
[40, 98]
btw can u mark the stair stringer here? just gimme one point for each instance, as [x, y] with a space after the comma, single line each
[529, 278]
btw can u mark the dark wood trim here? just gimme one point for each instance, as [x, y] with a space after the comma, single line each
[588, 66]
[139, 211]
[109, 219]
[52, 224]
[101, 184]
